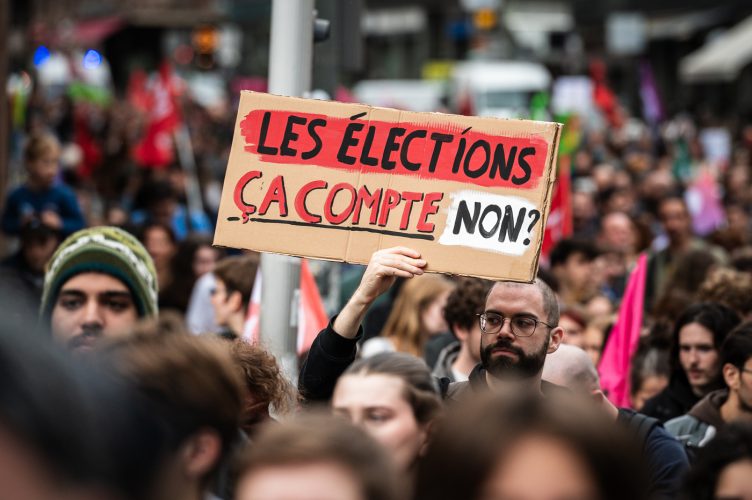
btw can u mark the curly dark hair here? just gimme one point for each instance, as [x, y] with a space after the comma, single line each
[466, 300]
[728, 287]
[263, 377]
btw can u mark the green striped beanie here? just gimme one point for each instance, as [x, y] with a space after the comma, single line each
[107, 250]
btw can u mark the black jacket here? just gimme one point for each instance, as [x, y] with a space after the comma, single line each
[329, 356]
[665, 456]
[674, 401]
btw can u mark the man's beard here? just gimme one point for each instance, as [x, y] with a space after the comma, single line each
[506, 367]
[86, 339]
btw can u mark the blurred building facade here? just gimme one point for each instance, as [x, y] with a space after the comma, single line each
[414, 39]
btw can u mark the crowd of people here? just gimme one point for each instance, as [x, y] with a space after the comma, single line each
[127, 375]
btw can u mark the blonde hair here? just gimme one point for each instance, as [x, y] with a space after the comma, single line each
[404, 326]
[40, 145]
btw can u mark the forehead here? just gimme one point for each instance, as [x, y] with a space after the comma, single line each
[695, 333]
[514, 298]
[369, 390]
[94, 283]
[672, 207]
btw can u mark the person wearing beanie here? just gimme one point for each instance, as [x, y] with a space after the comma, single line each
[99, 283]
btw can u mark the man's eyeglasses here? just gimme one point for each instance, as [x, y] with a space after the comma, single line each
[521, 326]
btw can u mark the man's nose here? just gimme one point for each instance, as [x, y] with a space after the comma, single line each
[92, 313]
[694, 356]
[506, 328]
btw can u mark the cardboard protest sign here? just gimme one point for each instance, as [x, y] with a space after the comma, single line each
[340, 181]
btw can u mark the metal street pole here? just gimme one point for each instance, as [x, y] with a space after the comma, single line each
[290, 62]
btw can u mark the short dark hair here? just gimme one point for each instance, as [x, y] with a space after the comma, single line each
[189, 382]
[155, 191]
[420, 393]
[484, 432]
[315, 438]
[238, 273]
[733, 443]
[465, 302]
[550, 302]
[737, 348]
[567, 247]
[648, 361]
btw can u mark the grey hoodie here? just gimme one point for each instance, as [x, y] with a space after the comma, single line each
[700, 425]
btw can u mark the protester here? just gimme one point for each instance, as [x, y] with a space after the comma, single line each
[723, 468]
[594, 337]
[50, 407]
[696, 369]
[457, 360]
[649, 374]
[394, 398]
[99, 282]
[572, 266]
[192, 387]
[159, 240]
[161, 205]
[512, 352]
[234, 277]
[45, 447]
[314, 457]
[677, 224]
[22, 274]
[730, 404]
[40, 198]
[417, 315]
[530, 448]
[573, 322]
[194, 257]
[572, 368]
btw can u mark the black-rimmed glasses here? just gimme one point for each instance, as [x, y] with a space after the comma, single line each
[521, 326]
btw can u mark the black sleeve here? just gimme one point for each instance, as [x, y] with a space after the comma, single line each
[329, 356]
[668, 463]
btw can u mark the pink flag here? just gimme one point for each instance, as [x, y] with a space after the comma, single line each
[704, 202]
[312, 316]
[622, 343]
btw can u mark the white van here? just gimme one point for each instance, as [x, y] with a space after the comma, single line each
[410, 95]
[497, 88]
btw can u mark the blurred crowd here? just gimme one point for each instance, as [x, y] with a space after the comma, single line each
[127, 373]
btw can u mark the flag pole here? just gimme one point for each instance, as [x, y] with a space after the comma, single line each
[290, 62]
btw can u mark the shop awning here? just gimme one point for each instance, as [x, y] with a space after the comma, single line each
[721, 59]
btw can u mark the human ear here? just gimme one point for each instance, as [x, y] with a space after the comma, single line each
[235, 300]
[555, 339]
[200, 453]
[731, 376]
[460, 332]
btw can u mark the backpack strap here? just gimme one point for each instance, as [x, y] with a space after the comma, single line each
[640, 425]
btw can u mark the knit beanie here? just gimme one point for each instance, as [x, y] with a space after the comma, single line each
[107, 250]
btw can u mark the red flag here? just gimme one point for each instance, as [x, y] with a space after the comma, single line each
[156, 148]
[559, 222]
[312, 316]
[622, 343]
[252, 318]
[138, 94]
